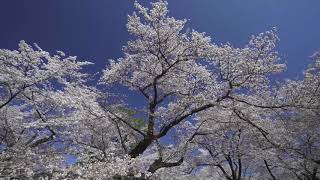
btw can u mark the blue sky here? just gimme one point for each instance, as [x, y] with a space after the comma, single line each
[94, 30]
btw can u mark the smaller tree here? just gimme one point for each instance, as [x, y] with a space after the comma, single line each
[33, 108]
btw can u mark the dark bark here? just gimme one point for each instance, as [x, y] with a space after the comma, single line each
[157, 164]
[314, 174]
[269, 170]
[140, 147]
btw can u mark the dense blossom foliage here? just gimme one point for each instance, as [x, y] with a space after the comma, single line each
[210, 111]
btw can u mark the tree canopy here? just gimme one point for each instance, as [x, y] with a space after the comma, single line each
[211, 111]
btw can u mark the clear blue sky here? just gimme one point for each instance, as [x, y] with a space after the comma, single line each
[94, 30]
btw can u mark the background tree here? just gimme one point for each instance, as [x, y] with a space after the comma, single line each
[33, 108]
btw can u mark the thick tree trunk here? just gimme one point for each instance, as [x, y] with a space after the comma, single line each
[140, 147]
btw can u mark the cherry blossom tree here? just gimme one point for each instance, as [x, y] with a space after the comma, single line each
[298, 129]
[33, 107]
[181, 74]
[208, 111]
